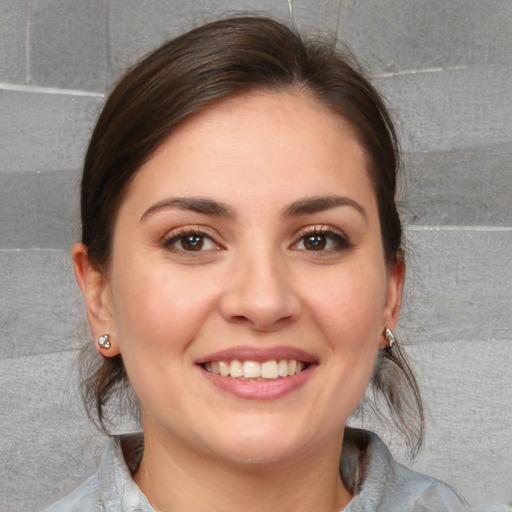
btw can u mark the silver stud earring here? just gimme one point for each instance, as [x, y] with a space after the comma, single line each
[104, 341]
[388, 333]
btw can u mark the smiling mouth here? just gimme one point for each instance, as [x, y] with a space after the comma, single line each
[256, 371]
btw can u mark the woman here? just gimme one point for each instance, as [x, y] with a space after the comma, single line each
[242, 267]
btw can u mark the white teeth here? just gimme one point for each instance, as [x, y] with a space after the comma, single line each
[252, 369]
[283, 368]
[268, 370]
[236, 369]
[223, 369]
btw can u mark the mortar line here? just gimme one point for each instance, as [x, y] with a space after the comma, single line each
[459, 228]
[35, 249]
[27, 43]
[49, 90]
[416, 71]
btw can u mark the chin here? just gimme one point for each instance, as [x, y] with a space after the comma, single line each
[266, 445]
[258, 453]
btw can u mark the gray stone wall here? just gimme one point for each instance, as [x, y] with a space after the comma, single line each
[446, 70]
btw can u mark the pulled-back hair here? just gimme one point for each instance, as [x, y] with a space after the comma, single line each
[215, 61]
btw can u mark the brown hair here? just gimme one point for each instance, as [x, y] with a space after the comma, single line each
[215, 61]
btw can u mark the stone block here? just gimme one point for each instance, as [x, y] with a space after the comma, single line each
[68, 44]
[466, 386]
[47, 445]
[451, 109]
[13, 30]
[41, 309]
[458, 285]
[39, 210]
[45, 131]
[393, 35]
[458, 187]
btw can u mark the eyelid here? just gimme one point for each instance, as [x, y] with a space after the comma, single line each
[339, 235]
[175, 234]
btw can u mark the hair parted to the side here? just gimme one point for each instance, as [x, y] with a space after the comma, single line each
[215, 61]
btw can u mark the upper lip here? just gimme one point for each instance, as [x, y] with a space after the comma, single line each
[258, 354]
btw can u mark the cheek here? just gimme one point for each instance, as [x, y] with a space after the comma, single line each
[349, 303]
[160, 309]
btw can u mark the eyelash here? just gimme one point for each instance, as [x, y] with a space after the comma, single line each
[340, 240]
[182, 234]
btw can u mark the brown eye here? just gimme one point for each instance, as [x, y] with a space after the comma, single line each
[191, 242]
[322, 241]
[315, 242]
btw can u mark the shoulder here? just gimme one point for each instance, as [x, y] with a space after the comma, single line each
[437, 496]
[424, 492]
[85, 498]
[111, 488]
[385, 485]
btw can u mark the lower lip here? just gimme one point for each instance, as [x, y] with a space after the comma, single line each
[260, 390]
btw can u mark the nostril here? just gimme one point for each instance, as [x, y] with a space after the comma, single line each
[239, 319]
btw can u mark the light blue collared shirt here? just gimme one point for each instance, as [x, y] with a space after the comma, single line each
[378, 482]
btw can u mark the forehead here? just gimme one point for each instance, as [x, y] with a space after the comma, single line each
[255, 145]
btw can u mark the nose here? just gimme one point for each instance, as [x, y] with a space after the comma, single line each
[260, 294]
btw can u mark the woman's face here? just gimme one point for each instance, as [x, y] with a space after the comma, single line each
[246, 249]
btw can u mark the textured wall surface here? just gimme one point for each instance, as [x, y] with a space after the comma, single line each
[446, 70]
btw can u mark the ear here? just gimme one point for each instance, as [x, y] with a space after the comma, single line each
[391, 314]
[97, 294]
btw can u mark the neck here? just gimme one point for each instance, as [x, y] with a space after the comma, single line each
[174, 481]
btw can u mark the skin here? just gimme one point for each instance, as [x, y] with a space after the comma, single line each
[257, 283]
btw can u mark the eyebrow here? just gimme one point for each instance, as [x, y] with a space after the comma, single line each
[194, 204]
[206, 206]
[318, 204]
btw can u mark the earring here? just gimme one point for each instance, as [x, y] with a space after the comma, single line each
[104, 341]
[388, 333]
